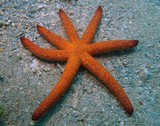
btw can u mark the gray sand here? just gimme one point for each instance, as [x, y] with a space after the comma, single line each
[25, 80]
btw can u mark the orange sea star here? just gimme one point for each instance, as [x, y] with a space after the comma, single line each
[78, 51]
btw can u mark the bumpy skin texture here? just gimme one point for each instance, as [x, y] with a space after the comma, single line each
[77, 51]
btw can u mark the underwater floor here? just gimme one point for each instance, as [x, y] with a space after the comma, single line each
[26, 80]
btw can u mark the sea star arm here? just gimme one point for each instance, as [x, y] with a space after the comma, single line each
[56, 40]
[63, 84]
[111, 45]
[47, 54]
[91, 28]
[102, 74]
[70, 30]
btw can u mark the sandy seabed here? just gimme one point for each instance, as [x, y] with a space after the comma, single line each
[25, 80]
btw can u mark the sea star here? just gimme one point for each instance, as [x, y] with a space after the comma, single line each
[78, 51]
